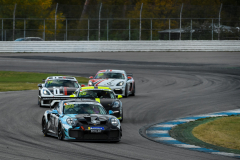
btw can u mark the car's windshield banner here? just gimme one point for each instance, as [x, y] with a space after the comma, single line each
[64, 98]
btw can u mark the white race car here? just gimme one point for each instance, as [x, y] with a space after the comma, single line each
[55, 89]
[118, 80]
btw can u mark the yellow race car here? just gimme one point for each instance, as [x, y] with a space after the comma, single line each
[105, 96]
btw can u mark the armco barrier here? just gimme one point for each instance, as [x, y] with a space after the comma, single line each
[117, 46]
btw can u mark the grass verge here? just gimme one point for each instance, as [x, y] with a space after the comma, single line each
[184, 134]
[17, 81]
[224, 132]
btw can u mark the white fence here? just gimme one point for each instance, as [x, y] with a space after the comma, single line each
[118, 46]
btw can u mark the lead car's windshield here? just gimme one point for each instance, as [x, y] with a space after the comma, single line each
[96, 94]
[80, 108]
[61, 83]
[111, 75]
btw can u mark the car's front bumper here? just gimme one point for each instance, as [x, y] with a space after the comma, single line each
[51, 101]
[106, 135]
[118, 90]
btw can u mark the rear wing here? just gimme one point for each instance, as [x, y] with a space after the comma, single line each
[130, 74]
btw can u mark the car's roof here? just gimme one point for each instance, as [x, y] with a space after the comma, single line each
[96, 88]
[34, 37]
[111, 70]
[62, 78]
[81, 100]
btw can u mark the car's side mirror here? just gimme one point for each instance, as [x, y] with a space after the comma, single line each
[110, 112]
[39, 85]
[91, 77]
[119, 96]
[43, 80]
[54, 112]
[82, 85]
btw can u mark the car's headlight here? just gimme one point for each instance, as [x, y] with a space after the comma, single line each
[120, 83]
[70, 121]
[90, 83]
[114, 121]
[116, 104]
[45, 92]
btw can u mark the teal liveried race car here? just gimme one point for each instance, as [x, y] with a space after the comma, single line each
[81, 120]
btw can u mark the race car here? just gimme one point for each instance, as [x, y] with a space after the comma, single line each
[55, 89]
[81, 120]
[118, 80]
[105, 96]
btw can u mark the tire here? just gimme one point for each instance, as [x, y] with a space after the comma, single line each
[39, 103]
[133, 92]
[126, 92]
[44, 127]
[122, 117]
[61, 134]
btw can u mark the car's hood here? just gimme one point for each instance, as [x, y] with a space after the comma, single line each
[106, 82]
[107, 103]
[62, 91]
[90, 118]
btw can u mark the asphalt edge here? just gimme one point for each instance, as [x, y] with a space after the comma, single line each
[159, 132]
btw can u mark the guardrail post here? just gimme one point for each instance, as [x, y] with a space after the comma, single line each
[99, 24]
[169, 29]
[56, 22]
[151, 29]
[66, 29]
[191, 31]
[24, 28]
[129, 29]
[181, 23]
[14, 20]
[219, 25]
[44, 30]
[212, 29]
[2, 29]
[88, 28]
[107, 30]
[140, 26]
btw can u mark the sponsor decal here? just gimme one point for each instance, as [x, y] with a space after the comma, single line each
[83, 93]
[69, 106]
[49, 82]
[96, 128]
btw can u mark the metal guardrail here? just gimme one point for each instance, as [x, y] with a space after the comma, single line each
[118, 46]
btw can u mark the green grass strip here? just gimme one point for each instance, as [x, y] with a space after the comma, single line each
[17, 81]
[224, 132]
[183, 133]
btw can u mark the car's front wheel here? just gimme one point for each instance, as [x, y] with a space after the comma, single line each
[133, 92]
[126, 91]
[44, 127]
[61, 134]
[121, 120]
[39, 102]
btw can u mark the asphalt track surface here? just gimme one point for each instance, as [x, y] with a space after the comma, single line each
[169, 85]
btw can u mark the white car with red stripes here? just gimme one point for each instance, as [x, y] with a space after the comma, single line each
[118, 80]
[56, 88]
